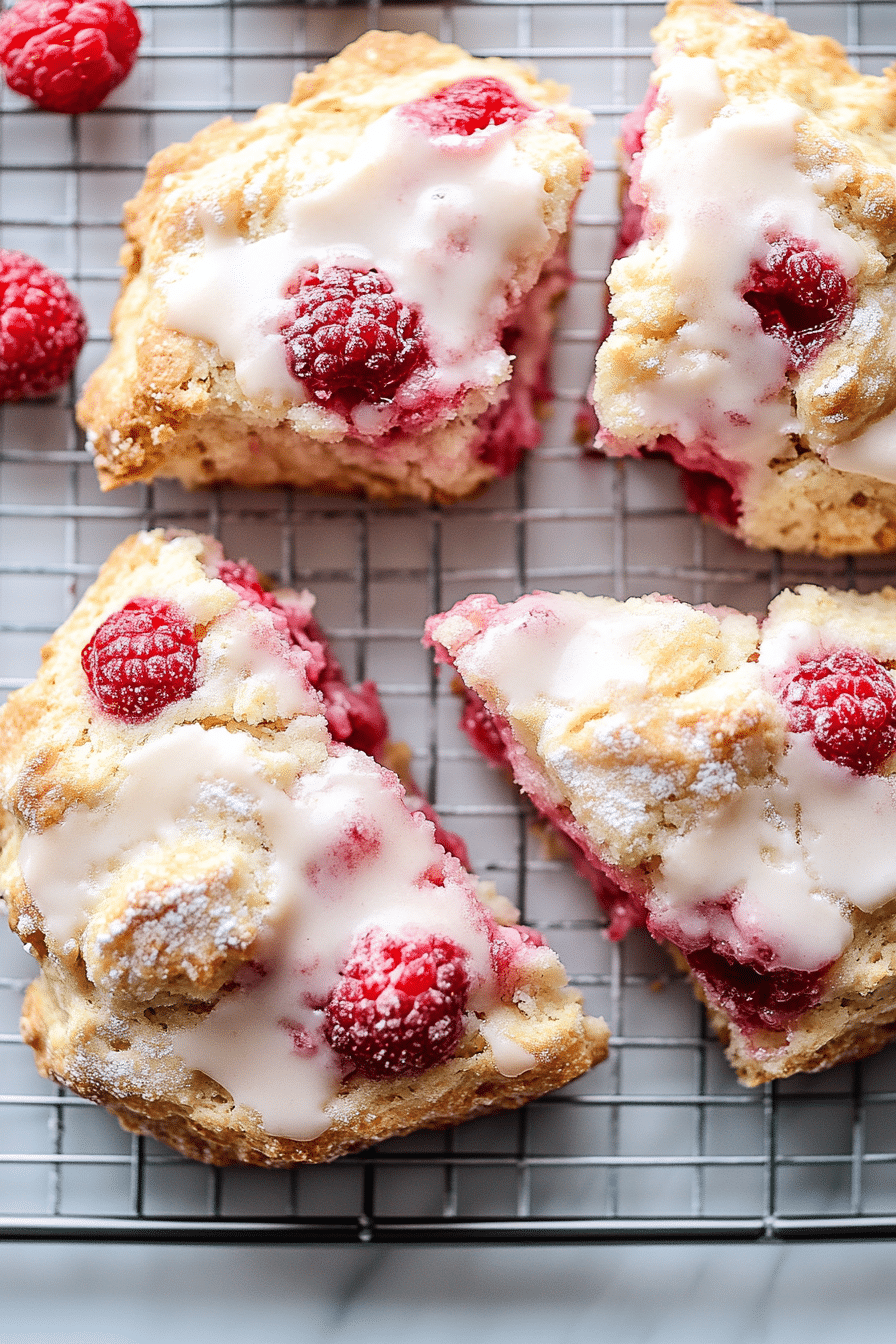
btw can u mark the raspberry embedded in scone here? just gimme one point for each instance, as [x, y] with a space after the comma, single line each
[142, 658]
[398, 1005]
[348, 338]
[847, 701]
[253, 944]
[725, 782]
[355, 291]
[752, 300]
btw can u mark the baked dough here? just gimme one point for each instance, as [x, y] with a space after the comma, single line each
[192, 882]
[665, 743]
[469, 229]
[760, 161]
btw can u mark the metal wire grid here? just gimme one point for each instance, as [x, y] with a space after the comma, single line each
[657, 1143]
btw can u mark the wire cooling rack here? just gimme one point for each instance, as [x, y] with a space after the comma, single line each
[658, 1143]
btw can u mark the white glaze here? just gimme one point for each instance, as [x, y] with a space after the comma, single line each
[720, 178]
[750, 847]
[444, 222]
[769, 871]
[305, 946]
[787, 643]
[160, 793]
[326, 888]
[797, 847]
[569, 651]
[871, 453]
[246, 662]
[510, 1058]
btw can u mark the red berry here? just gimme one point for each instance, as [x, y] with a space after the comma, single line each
[398, 1007]
[42, 328]
[141, 659]
[67, 55]
[354, 715]
[634, 124]
[245, 580]
[348, 338]
[711, 496]
[847, 701]
[481, 727]
[757, 998]
[467, 106]
[802, 298]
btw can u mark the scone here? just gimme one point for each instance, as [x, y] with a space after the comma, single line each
[352, 292]
[726, 782]
[249, 946]
[753, 304]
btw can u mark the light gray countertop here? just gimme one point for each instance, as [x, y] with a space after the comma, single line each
[739, 1294]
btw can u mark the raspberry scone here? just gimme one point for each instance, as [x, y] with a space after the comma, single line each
[249, 945]
[352, 292]
[726, 782]
[753, 303]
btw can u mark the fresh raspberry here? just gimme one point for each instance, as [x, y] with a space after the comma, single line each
[802, 298]
[398, 1007]
[67, 55]
[467, 106]
[141, 659]
[348, 338]
[42, 328]
[847, 701]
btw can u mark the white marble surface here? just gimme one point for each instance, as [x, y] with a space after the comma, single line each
[739, 1294]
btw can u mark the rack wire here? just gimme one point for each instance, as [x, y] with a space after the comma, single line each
[660, 1142]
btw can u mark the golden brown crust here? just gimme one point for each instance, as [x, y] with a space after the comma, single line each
[164, 403]
[174, 917]
[846, 145]
[199, 1119]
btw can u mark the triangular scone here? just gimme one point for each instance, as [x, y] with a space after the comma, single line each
[725, 782]
[222, 365]
[249, 946]
[753, 302]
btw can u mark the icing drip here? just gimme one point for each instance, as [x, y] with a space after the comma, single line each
[445, 224]
[767, 874]
[721, 185]
[344, 854]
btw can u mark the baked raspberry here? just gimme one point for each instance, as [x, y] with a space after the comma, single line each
[802, 298]
[244, 579]
[398, 1007]
[42, 328]
[757, 998]
[141, 659]
[348, 338]
[847, 701]
[634, 124]
[354, 714]
[480, 726]
[67, 55]
[465, 107]
[711, 496]
[508, 944]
